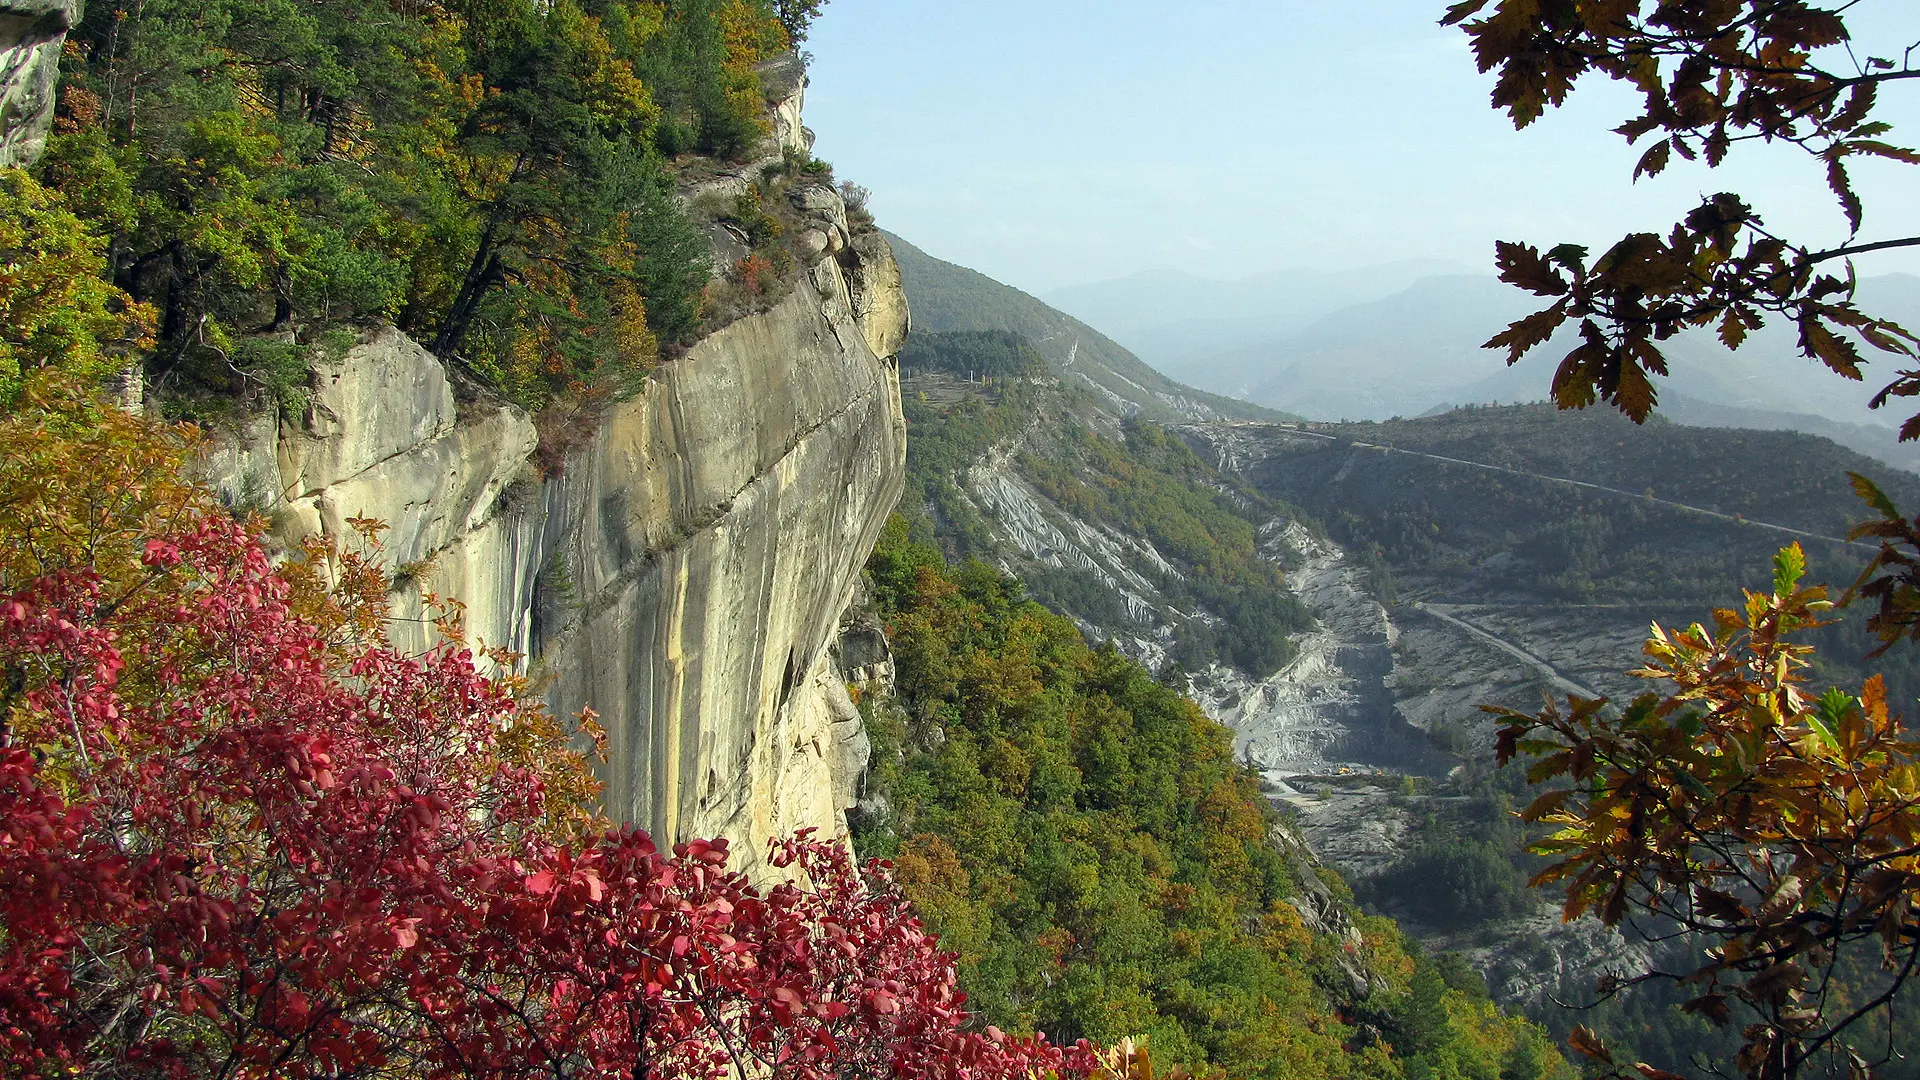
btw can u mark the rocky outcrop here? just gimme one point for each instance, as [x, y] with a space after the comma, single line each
[711, 537]
[784, 80]
[878, 293]
[31, 35]
[683, 573]
[382, 438]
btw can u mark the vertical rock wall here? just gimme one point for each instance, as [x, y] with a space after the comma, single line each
[709, 542]
[683, 574]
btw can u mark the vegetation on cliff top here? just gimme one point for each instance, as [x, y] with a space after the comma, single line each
[494, 177]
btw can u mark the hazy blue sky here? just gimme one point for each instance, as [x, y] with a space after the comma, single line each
[1051, 142]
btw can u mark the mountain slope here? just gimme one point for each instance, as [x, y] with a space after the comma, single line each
[1488, 555]
[1527, 550]
[1104, 866]
[946, 297]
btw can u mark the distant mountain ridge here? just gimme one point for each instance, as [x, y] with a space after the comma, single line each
[1173, 319]
[946, 297]
[1416, 350]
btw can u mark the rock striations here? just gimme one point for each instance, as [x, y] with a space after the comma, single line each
[683, 573]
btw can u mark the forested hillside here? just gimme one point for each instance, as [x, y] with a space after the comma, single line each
[1082, 835]
[1112, 521]
[1516, 534]
[1494, 543]
[1541, 532]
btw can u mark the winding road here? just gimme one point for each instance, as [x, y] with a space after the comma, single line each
[1293, 429]
[1445, 613]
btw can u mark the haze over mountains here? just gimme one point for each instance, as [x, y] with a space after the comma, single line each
[1172, 318]
[1403, 339]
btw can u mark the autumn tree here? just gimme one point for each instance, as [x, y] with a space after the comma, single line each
[243, 836]
[1770, 829]
[1713, 75]
[1774, 829]
[56, 310]
[486, 175]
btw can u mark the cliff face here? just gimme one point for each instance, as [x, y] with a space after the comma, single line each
[685, 571]
[683, 574]
[696, 560]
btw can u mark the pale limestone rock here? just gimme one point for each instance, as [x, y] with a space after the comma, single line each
[785, 81]
[385, 396]
[718, 191]
[879, 295]
[382, 438]
[723, 519]
[242, 463]
[684, 574]
[863, 654]
[435, 492]
[31, 35]
[491, 570]
[128, 389]
[820, 204]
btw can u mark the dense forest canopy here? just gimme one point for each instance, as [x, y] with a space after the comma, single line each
[496, 177]
[972, 354]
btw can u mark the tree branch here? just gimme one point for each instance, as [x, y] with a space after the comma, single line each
[1817, 257]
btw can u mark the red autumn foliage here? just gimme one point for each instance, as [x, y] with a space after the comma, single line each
[231, 845]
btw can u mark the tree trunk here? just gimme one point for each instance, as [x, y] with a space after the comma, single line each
[453, 331]
[484, 271]
[173, 317]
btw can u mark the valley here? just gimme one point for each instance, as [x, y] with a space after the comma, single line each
[1483, 556]
[508, 570]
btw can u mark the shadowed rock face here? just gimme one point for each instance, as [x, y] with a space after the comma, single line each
[31, 35]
